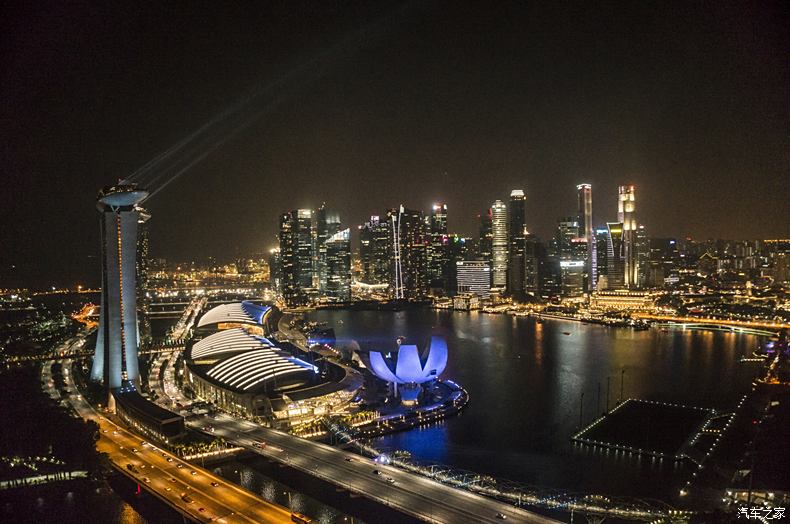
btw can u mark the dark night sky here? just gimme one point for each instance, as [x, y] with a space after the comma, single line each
[425, 101]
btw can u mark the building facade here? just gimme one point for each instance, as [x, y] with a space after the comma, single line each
[499, 244]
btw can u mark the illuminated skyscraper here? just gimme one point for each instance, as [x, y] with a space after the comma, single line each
[374, 251]
[438, 263]
[586, 232]
[473, 276]
[409, 277]
[615, 256]
[115, 361]
[327, 223]
[516, 232]
[296, 255]
[626, 214]
[337, 266]
[499, 244]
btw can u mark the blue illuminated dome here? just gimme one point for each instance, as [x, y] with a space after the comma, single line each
[408, 365]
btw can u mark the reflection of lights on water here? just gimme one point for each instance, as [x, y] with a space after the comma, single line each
[327, 516]
[246, 478]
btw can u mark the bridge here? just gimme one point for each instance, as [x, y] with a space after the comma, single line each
[758, 327]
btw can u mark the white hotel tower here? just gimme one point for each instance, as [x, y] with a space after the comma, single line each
[115, 361]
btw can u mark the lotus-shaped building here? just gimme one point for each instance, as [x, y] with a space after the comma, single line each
[410, 367]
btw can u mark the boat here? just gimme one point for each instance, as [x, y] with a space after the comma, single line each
[566, 333]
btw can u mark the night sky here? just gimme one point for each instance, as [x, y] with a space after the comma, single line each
[367, 105]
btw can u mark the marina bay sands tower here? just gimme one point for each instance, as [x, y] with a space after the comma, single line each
[115, 361]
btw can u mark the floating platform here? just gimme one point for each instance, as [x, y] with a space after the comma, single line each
[650, 428]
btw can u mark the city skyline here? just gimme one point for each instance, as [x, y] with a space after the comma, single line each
[591, 96]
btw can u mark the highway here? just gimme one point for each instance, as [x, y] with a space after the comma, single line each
[201, 496]
[411, 494]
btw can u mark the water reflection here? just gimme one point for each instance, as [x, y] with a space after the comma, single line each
[526, 380]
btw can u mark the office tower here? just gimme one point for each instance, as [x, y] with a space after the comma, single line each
[534, 257]
[327, 223]
[374, 251]
[409, 276]
[615, 255]
[571, 278]
[486, 237]
[626, 215]
[587, 233]
[115, 360]
[473, 276]
[663, 261]
[296, 255]
[564, 244]
[458, 248]
[601, 258]
[499, 245]
[337, 266]
[516, 232]
[438, 263]
[641, 255]
[143, 263]
[275, 270]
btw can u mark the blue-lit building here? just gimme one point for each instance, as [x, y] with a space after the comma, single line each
[115, 359]
[409, 367]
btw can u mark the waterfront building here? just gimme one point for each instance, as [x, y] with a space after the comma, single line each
[115, 360]
[374, 251]
[337, 266]
[499, 243]
[571, 278]
[516, 233]
[466, 302]
[587, 234]
[473, 276]
[623, 300]
[405, 370]
[409, 277]
[626, 215]
[296, 255]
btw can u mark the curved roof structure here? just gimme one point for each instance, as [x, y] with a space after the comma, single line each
[237, 313]
[227, 341]
[409, 366]
[251, 368]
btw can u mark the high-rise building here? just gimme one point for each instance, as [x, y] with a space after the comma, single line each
[486, 236]
[587, 233]
[115, 361]
[327, 223]
[473, 276]
[409, 277]
[626, 215]
[499, 245]
[571, 278]
[641, 255]
[601, 257]
[374, 251]
[143, 263]
[438, 264]
[296, 255]
[337, 266]
[534, 258]
[275, 270]
[562, 244]
[615, 256]
[516, 232]
[458, 249]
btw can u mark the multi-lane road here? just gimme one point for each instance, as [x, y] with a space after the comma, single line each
[196, 493]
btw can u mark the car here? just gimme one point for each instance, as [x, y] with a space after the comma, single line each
[170, 459]
[215, 484]
[168, 488]
[130, 467]
[164, 454]
[501, 516]
[134, 450]
[179, 465]
[173, 480]
[104, 431]
[391, 480]
[349, 459]
[376, 472]
[193, 472]
[143, 443]
[146, 480]
[114, 432]
[201, 510]
[186, 498]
